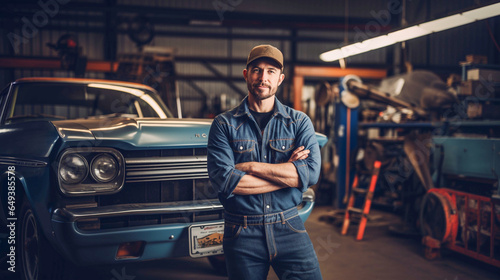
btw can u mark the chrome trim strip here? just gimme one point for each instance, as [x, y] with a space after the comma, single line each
[22, 162]
[149, 172]
[163, 165]
[160, 160]
[163, 178]
[73, 215]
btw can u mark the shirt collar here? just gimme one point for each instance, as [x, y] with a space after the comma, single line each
[243, 109]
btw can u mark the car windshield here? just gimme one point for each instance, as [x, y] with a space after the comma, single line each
[73, 101]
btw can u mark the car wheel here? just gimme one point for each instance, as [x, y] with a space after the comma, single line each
[218, 263]
[30, 245]
[37, 259]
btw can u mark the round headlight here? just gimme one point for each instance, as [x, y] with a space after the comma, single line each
[73, 169]
[104, 168]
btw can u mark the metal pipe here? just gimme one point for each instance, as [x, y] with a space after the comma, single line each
[364, 91]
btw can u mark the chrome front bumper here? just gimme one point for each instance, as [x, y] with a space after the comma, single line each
[73, 215]
[161, 240]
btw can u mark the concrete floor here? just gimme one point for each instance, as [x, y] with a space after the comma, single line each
[379, 256]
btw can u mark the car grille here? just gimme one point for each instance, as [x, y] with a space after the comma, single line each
[162, 176]
[166, 169]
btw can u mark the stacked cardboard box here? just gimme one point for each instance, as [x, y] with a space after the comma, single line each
[480, 92]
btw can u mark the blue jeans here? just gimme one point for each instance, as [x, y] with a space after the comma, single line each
[253, 243]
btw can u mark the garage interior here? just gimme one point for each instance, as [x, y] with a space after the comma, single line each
[417, 119]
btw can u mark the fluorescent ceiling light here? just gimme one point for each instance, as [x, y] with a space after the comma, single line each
[377, 42]
[446, 23]
[412, 32]
[352, 49]
[331, 55]
[408, 33]
[484, 12]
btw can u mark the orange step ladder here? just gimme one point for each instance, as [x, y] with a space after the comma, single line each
[363, 212]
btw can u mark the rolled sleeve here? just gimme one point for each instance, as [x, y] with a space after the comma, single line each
[232, 182]
[220, 162]
[308, 169]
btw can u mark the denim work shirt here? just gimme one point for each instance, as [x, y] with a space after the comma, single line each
[235, 137]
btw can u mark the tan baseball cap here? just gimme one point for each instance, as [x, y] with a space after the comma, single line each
[266, 51]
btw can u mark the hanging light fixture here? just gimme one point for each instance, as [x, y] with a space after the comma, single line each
[412, 32]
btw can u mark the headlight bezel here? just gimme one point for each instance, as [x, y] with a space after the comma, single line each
[85, 165]
[91, 185]
[95, 176]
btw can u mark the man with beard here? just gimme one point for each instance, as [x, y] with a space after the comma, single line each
[262, 155]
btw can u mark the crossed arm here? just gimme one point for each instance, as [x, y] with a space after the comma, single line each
[267, 177]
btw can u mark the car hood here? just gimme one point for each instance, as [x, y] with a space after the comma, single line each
[137, 132]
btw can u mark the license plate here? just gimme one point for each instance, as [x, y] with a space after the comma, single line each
[206, 240]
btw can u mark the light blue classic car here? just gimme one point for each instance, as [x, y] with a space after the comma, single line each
[99, 172]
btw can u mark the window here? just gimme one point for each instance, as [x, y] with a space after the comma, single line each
[72, 101]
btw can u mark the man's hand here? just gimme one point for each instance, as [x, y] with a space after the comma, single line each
[265, 177]
[299, 153]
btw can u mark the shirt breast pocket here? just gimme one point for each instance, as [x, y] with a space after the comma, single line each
[244, 150]
[282, 149]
